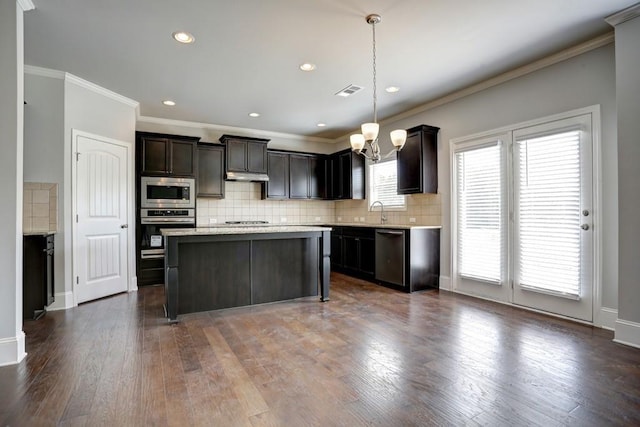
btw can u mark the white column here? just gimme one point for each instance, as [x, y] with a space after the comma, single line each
[627, 27]
[11, 132]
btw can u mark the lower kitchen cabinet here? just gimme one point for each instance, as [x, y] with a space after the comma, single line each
[37, 279]
[406, 259]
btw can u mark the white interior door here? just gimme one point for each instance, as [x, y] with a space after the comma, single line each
[101, 217]
[552, 200]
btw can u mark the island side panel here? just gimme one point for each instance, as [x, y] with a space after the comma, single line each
[325, 265]
[214, 275]
[284, 269]
[171, 277]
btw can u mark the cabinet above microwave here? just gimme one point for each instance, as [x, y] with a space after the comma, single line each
[166, 155]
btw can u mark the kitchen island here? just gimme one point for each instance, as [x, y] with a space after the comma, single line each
[223, 267]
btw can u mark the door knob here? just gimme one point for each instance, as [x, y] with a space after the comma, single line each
[585, 226]
[124, 226]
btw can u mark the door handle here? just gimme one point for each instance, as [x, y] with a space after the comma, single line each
[585, 226]
[124, 226]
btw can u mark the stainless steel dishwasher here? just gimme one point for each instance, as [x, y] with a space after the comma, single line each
[390, 260]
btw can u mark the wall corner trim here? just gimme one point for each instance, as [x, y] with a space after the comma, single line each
[624, 15]
[26, 5]
[627, 333]
[12, 350]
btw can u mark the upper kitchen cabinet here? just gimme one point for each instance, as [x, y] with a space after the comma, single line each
[345, 176]
[245, 154]
[278, 169]
[210, 179]
[166, 155]
[294, 175]
[418, 161]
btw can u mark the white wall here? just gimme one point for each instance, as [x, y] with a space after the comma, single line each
[12, 348]
[628, 97]
[72, 103]
[584, 80]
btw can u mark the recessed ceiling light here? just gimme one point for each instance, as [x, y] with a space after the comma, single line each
[254, 114]
[307, 66]
[321, 125]
[169, 103]
[392, 89]
[183, 37]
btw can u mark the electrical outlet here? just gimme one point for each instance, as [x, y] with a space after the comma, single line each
[412, 220]
[339, 218]
[283, 219]
[317, 218]
[361, 219]
[213, 220]
[355, 219]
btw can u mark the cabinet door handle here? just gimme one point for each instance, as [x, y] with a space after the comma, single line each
[395, 233]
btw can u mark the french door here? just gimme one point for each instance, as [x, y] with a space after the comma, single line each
[523, 217]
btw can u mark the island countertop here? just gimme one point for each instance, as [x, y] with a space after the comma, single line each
[234, 229]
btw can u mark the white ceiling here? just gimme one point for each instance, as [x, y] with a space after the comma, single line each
[247, 52]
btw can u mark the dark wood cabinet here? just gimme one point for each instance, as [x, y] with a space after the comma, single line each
[278, 169]
[345, 176]
[166, 155]
[406, 259]
[294, 175]
[316, 177]
[245, 154]
[37, 275]
[418, 161]
[299, 176]
[210, 178]
[358, 246]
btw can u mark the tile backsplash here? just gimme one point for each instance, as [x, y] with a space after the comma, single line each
[40, 207]
[422, 209]
[243, 202]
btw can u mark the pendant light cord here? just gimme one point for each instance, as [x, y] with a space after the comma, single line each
[375, 94]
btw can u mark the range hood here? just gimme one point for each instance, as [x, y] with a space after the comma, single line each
[247, 176]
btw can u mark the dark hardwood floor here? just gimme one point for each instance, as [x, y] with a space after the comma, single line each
[370, 356]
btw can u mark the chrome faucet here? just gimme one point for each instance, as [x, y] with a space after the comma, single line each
[383, 217]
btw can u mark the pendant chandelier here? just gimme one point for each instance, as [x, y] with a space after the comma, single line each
[369, 135]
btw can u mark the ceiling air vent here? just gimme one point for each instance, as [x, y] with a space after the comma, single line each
[349, 90]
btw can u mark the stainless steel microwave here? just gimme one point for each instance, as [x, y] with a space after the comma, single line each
[165, 192]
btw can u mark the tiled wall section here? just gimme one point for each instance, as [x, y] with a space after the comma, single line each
[40, 207]
[426, 209]
[242, 202]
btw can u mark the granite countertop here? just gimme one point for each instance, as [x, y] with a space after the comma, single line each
[38, 233]
[387, 226]
[251, 229]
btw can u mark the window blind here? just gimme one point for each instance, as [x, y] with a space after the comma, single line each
[548, 210]
[479, 214]
[383, 184]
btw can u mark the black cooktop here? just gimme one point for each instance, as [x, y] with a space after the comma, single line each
[246, 222]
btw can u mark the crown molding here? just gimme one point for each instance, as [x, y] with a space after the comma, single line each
[624, 15]
[100, 90]
[68, 77]
[233, 129]
[26, 5]
[563, 55]
[44, 72]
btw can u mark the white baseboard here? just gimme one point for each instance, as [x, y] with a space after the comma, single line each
[64, 301]
[134, 284]
[627, 333]
[608, 318]
[445, 283]
[12, 350]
